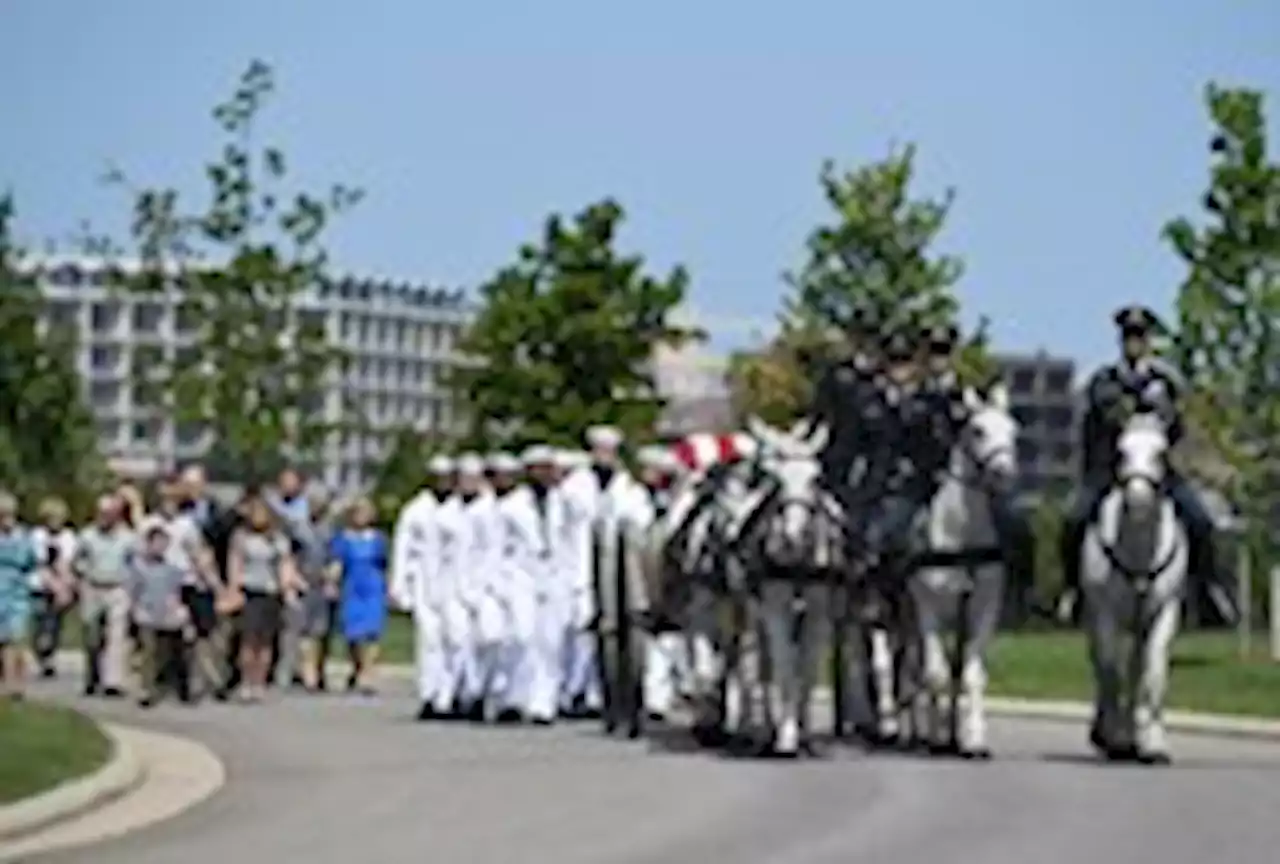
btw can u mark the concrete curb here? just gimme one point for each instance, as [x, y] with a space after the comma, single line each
[123, 773]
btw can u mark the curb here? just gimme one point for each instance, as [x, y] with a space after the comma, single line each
[123, 773]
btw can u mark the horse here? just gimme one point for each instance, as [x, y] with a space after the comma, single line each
[1133, 573]
[959, 580]
[791, 529]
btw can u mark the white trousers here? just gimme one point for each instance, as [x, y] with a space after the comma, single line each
[580, 670]
[542, 670]
[435, 685]
[482, 660]
[518, 607]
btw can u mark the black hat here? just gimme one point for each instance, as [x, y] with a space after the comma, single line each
[941, 337]
[1136, 319]
[898, 345]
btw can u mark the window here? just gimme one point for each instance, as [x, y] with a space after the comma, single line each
[189, 434]
[1063, 452]
[1024, 381]
[1058, 381]
[188, 318]
[104, 317]
[104, 358]
[1059, 417]
[147, 318]
[146, 431]
[104, 394]
[1028, 452]
[64, 315]
[108, 432]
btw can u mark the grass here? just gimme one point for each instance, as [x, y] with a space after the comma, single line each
[1207, 674]
[42, 746]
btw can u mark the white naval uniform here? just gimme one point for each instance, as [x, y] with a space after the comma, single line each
[580, 677]
[416, 587]
[453, 544]
[481, 593]
[515, 535]
[542, 529]
[666, 655]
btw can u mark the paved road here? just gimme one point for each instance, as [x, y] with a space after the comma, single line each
[338, 780]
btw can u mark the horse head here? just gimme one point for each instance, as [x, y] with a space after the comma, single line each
[788, 460]
[987, 445]
[1141, 458]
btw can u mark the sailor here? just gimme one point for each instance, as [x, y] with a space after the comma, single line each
[545, 512]
[508, 585]
[451, 549]
[1139, 380]
[580, 695]
[478, 636]
[416, 588]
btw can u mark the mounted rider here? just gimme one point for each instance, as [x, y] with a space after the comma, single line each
[848, 401]
[1139, 381]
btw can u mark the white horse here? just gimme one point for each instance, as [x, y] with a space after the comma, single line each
[960, 582]
[796, 533]
[1133, 572]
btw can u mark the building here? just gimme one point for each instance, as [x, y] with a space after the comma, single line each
[400, 339]
[695, 386]
[1046, 402]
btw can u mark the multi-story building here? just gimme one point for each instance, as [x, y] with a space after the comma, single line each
[1046, 402]
[400, 339]
[695, 387]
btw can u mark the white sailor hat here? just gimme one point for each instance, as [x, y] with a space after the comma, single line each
[604, 436]
[470, 465]
[567, 460]
[440, 465]
[503, 463]
[656, 458]
[538, 454]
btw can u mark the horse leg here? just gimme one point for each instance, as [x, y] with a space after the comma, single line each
[936, 671]
[815, 635]
[777, 619]
[1150, 736]
[885, 709]
[983, 616]
[1103, 632]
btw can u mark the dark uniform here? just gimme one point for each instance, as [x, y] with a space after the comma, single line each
[845, 400]
[1139, 380]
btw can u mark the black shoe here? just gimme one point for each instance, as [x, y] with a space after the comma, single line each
[475, 714]
[90, 690]
[48, 672]
[543, 721]
[147, 702]
[113, 693]
[509, 717]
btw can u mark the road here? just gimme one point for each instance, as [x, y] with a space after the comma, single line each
[338, 780]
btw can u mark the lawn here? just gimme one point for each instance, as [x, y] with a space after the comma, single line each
[42, 746]
[1207, 672]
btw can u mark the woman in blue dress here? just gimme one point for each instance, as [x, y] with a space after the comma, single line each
[17, 565]
[360, 554]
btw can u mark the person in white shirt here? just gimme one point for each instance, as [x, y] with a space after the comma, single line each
[580, 695]
[479, 640]
[415, 587]
[54, 588]
[508, 585]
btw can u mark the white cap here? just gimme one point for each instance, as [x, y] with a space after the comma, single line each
[503, 463]
[657, 458]
[604, 436]
[440, 465]
[538, 454]
[566, 460]
[470, 465]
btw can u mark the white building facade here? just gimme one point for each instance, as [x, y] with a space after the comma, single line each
[401, 340]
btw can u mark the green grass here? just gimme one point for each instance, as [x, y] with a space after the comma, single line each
[1207, 674]
[42, 746]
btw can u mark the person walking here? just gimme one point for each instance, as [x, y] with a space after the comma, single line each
[17, 565]
[100, 567]
[263, 576]
[162, 619]
[360, 557]
[54, 587]
[313, 623]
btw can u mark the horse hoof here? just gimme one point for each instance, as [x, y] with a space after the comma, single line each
[1121, 753]
[948, 748]
[1155, 758]
[976, 754]
[710, 735]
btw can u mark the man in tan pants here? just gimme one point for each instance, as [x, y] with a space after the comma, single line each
[101, 565]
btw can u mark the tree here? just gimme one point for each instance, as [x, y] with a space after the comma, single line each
[565, 336]
[774, 383]
[241, 266]
[48, 440]
[401, 473]
[1228, 339]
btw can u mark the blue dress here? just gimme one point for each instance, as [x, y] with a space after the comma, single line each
[362, 604]
[17, 563]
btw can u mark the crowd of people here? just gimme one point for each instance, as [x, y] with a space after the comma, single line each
[190, 598]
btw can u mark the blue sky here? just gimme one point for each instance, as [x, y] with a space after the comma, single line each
[1071, 130]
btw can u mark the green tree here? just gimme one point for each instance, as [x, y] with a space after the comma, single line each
[48, 441]
[876, 254]
[1228, 339]
[244, 262]
[402, 471]
[564, 337]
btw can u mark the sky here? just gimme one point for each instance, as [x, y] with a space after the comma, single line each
[1071, 131]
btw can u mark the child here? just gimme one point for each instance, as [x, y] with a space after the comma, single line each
[155, 595]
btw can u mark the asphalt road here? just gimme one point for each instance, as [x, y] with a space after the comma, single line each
[340, 780]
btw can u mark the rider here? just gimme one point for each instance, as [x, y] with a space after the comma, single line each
[1139, 380]
[844, 398]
